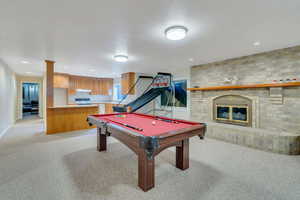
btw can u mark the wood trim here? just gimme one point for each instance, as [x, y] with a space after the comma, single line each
[234, 87]
[50, 82]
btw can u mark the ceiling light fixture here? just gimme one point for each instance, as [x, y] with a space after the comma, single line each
[121, 58]
[28, 72]
[176, 32]
[256, 43]
[24, 62]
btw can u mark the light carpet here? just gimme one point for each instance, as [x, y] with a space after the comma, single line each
[35, 166]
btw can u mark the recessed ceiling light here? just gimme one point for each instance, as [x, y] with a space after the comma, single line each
[176, 32]
[256, 43]
[121, 58]
[25, 62]
[191, 59]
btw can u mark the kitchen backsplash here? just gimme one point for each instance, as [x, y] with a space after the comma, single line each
[94, 98]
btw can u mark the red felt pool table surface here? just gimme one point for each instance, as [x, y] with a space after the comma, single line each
[145, 122]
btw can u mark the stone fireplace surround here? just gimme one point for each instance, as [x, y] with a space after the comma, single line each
[275, 111]
[257, 136]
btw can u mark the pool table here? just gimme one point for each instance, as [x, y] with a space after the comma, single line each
[147, 136]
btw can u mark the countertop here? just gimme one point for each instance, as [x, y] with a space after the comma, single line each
[75, 106]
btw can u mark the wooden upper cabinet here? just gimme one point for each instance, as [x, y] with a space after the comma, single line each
[61, 80]
[84, 83]
[98, 86]
[88, 83]
[102, 86]
[106, 86]
[127, 81]
[72, 85]
[94, 86]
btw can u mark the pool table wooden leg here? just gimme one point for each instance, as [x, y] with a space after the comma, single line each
[182, 155]
[145, 172]
[101, 141]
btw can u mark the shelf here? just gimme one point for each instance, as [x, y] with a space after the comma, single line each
[236, 87]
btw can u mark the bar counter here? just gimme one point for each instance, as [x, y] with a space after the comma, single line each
[67, 118]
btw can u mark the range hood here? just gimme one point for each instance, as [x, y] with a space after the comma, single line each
[83, 90]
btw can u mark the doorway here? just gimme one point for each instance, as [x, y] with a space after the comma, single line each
[30, 100]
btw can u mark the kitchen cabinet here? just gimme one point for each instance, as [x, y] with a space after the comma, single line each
[84, 82]
[102, 86]
[95, 86]
[109, 108]
[61, 80]
[98, 86]
[127, 81]
[107, 85]
[72, 85]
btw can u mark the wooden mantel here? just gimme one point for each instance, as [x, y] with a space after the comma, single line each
[235, 87]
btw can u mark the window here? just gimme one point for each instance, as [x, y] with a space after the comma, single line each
[180, 95]
[118, 92]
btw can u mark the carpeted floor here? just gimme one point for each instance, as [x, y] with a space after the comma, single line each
[34, 166]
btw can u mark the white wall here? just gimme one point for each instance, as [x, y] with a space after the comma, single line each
[29, 79]
[60, 97]
[7, 97]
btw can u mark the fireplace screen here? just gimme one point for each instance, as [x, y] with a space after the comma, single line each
[232, 113]
[233, 109]
[223, 112]
[239, 113]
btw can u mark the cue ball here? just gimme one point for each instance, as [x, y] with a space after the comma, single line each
[153, 123]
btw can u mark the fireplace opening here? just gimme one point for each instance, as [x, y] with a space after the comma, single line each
[223, 112]
[232, 113]
[232, 109]
[240, 114]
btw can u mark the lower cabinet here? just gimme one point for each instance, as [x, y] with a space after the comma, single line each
[65, 119]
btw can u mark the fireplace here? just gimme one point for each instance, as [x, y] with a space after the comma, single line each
[233, 109]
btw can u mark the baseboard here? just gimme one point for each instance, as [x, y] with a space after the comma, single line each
[4, 131]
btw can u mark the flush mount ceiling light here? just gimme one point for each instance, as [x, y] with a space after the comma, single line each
[191, 59]
[176, 32]
[256, 43]
[121, 58]
[24, 62]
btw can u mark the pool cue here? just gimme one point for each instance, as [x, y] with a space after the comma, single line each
[167, 120]
[127, 125]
